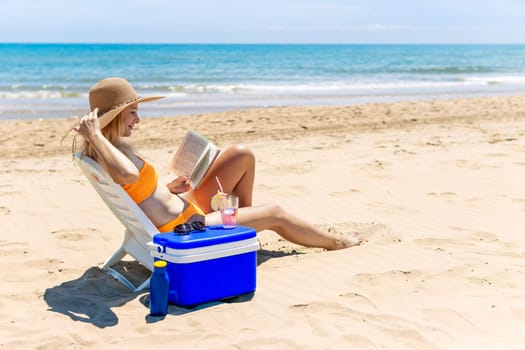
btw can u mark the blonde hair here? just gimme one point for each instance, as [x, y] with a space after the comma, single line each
[112, 133]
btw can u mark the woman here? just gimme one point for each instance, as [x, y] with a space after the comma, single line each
[114, 113]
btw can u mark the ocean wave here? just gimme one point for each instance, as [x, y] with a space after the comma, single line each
[342, 87]
[411, 69]
[40, 94]
[449, 70]
[494, 79]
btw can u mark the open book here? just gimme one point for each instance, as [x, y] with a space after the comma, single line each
[194, 157]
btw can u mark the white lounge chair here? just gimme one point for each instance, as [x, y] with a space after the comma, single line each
[139, 229]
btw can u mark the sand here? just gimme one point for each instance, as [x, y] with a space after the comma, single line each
[435, 187]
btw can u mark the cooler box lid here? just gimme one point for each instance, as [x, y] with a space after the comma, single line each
[212, 236]
[216, 242]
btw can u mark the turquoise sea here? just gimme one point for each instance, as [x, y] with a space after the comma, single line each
[52, 80]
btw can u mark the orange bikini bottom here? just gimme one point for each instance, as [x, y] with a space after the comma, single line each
[183, 217]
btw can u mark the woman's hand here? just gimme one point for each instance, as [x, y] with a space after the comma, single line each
[179, 185]
[89, 125]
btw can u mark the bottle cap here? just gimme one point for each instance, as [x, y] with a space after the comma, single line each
[160, 263]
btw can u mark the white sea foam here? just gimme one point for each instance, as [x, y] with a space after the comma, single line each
[39, 94]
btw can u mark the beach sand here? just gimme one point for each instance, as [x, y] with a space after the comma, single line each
[435, 187]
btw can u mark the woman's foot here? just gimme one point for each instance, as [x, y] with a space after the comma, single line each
[348, 241]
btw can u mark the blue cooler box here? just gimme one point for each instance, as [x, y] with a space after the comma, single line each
[208, 265]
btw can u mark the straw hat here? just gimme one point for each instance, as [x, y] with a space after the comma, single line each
[111, 96]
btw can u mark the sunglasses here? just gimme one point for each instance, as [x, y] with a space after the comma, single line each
[188, 227]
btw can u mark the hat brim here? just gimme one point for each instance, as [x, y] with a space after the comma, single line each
[107, 117]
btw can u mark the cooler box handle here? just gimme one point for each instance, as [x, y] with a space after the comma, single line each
[154, 247]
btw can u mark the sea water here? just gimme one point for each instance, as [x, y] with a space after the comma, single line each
[52, 80]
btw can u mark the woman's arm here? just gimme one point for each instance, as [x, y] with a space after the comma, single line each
[121, 169]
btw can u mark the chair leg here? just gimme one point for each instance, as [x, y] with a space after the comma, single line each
[122, 279]
[115, 258]
[144, 285]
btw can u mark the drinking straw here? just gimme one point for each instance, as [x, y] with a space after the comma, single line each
[219, 183]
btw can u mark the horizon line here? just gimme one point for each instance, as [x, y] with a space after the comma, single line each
[251, 43]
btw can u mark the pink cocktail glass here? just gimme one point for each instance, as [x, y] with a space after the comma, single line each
[229, 212]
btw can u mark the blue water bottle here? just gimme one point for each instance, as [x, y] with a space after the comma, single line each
[158, 289]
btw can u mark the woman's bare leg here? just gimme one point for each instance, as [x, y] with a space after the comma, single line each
[273, 217]
[235, 168]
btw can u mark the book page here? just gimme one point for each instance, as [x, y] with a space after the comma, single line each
[203, 165]
[188, 154]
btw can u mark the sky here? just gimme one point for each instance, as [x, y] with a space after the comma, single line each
[263, 21]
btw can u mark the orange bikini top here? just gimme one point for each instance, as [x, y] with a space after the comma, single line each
[145, 184]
